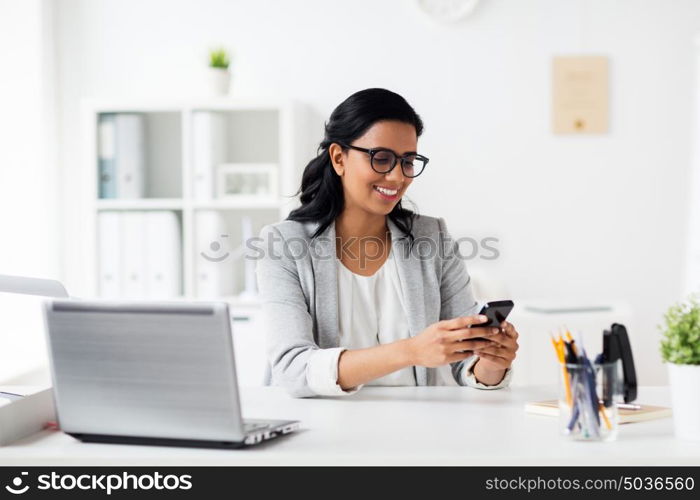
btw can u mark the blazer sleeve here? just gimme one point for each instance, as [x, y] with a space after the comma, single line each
[457, 299]
[288, 324]
[296, 361]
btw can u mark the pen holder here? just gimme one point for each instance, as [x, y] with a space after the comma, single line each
[588, 397]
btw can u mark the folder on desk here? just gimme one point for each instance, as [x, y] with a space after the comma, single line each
[646, 412]
[24, 410]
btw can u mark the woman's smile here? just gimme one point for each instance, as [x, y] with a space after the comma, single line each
[387, 193]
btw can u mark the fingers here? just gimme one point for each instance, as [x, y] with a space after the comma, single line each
[496, 351]
[470, 333]
[462, 322]
[473, 345]
[509, 330]
[459, 356]
[496, 360]
[504, 340]
[462, 341]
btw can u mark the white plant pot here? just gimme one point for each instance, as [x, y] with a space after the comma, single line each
[219, 81]
[685, 399]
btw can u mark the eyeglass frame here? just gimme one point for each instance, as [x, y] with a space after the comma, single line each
[373, 151]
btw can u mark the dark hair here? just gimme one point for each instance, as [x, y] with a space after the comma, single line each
[321, 192]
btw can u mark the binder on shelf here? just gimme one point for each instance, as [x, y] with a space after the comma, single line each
[214, 266]
[163, 254]
[140, 254]
[130, 155]
[133, 254]
[109, 254]
[106, 137]
[209, 150]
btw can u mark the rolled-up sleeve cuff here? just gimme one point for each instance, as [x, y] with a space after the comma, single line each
[469, 379]
[322, 373]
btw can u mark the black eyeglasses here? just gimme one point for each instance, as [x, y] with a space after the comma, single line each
[383, 160]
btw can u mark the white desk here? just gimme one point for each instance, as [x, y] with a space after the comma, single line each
[406, 425]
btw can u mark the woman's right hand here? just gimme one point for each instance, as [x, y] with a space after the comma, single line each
[449, 341]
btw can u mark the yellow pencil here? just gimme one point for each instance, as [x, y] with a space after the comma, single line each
[569, 337]
[559, 350]
[556, 347]
[601, 408]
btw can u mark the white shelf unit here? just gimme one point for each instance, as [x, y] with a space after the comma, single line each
[248, 132]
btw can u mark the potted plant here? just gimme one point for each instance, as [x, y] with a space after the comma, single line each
[680, 348]
[219, 74]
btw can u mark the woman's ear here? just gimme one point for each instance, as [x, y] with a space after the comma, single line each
[335, 152]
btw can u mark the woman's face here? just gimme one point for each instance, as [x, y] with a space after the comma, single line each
[364, 188]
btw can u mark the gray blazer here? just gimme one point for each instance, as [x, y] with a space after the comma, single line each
[297, 280]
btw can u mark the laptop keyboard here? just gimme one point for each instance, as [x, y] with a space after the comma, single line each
[254, 426]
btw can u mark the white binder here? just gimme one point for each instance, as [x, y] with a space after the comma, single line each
[208, 151]
[109, 254]
[133, 250]
[163, 254]
[130, 155]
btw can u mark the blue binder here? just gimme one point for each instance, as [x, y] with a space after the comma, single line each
[106, 173]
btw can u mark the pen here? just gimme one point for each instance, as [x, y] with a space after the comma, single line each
[591, 397]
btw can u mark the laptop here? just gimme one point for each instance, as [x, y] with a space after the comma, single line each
[151, 373]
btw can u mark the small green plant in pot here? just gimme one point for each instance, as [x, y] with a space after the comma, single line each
[220, 74]
[680, 348]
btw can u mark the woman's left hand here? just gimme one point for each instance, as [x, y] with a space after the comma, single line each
[498, 357]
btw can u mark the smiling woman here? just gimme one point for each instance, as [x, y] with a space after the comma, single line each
[358, 304]
[322, 190]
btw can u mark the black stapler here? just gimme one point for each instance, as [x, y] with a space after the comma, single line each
[616, 345]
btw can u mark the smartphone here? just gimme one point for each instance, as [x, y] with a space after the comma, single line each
[496, 312]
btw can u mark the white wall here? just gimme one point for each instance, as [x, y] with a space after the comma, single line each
[692, 272]
[29, 208]
[28, 198]
[593, 218]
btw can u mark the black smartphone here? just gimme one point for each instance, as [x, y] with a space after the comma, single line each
[496, 312]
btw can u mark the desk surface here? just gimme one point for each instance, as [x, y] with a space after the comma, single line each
[403, 425]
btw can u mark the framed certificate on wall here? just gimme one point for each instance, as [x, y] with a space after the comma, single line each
[580, 95]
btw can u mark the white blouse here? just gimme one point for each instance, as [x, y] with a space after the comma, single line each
[371, 311]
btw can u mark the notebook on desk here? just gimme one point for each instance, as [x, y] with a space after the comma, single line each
[645, 412]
